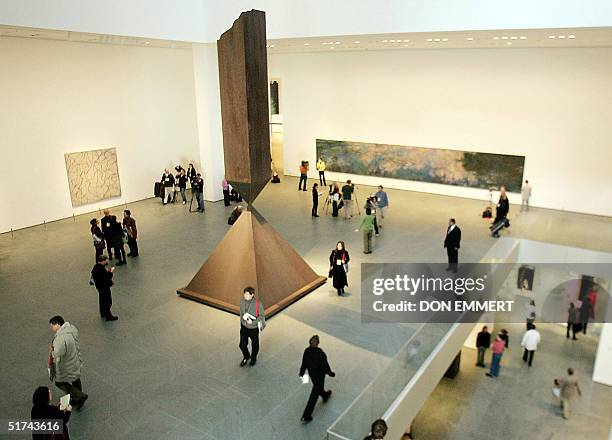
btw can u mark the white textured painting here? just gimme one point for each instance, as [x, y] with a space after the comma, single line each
[92, 176]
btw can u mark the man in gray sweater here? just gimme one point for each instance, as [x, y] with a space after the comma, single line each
[252, 322]
[67, 361]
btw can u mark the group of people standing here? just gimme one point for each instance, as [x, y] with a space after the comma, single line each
[173, 184]
[113, 235]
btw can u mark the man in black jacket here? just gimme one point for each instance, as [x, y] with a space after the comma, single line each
[103, 279]
[116, 237]
[167, 180]
[315, 361]
[452, 243]
[106, 231]
[483, 342]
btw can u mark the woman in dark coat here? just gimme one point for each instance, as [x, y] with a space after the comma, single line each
[503, 206]
[98, 237]
[338, 267]
[335, 198]
[42, 409]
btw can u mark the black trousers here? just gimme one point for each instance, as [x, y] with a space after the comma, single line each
[75, 389]
[315, 206]
[109, 247]
[133, 245]
[226, 197]
[575, 329]
[99, 251]
[528, 354]
[322, 178]
[119, 249]
[453, 258]
[245, 334]
[303, 178]
[105, 301]
[318, 390]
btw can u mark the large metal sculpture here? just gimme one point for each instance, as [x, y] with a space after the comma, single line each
[252, 253]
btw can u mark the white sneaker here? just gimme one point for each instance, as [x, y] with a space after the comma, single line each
[184, 202]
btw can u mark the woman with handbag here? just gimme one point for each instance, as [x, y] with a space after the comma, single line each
[98, 237]
[338, 267]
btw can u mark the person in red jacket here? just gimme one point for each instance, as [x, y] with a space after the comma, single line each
[498, 347]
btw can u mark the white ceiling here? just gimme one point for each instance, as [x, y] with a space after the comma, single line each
[574, 37]
[531, 38]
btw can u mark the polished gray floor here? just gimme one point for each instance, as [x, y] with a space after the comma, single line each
[169, 367]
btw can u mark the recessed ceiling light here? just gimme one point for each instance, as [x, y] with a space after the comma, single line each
[470, 39]
[271, 45]
[306, 44]
[496, 38]
[332, 47]
[514, 38]
[523, 37]
[406, 41]
[561, 36]
[436, 39]
[444, 39]
[509, 43]
[267, 45]
[406, 45]
[147, 42]
[384, 41]
[571, 36]
[337, 42]
[356, 42]
[430, 39]
[504, 38]
[551, 36]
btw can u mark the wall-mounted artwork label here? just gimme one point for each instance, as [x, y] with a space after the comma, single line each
[92, 176]
[434, 165]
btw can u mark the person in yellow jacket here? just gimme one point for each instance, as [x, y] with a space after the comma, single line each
[321, 170]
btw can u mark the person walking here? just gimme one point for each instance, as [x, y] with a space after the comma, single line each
[569, 389]
[181, 182]
[525, 195]
[116, 233]
[252, 322]
[167, 181]
[303, 175]
[497, 351]
[347, 199]
[502, 209]
[338, 267]
[572, 321]
[226, 191]
[97, 237]
[197, 186]
[321, 169]
[452, 243]
[584, 312]
[483, 342]
[315, 362]
[315, 199]
[43, 410]
[102, 277]
[530, 314]
[382, 200]
[132, 233]
[66, 360]
[530, 342]
[367, 225]
[106, 231]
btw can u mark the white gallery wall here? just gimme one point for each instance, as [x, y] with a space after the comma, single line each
[59, 97]
[550, 105]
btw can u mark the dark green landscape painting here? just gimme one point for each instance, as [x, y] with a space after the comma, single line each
[435, 165]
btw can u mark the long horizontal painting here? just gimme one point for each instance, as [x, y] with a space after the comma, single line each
[435, 165]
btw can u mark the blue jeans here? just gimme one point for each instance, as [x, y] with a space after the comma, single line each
[200, 199]
[495, 361]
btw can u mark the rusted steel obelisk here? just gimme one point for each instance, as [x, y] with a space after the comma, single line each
[252, 253]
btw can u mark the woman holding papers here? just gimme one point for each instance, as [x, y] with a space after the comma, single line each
[338, 267]
[252, 322]
[315, 361]
[42, 409]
